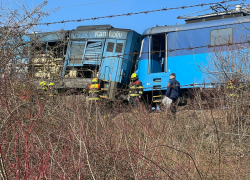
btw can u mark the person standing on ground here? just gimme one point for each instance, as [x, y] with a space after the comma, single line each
[52, 91]
[43, 90]
[94, 90]
[173, 92]
[136, 90]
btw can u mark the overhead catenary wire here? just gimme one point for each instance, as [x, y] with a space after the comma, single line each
[120, 15]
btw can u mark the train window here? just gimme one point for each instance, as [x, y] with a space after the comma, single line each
[56, 49]
[135, 61]
[38, 49]
[110, 47]
[157, 63]
[76, 53]
[141, 48]
[118, 48]
[221, 36]
[144, 48]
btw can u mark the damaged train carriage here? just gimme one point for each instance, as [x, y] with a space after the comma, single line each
[98, 52]
[46, 53]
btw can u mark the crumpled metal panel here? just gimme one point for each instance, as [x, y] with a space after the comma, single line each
[76, 52]
[93, 52]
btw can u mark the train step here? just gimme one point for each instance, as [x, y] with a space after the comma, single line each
[102, 96]
[157, 99]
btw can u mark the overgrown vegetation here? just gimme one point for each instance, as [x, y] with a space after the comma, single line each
[61, 139]
[66, 137]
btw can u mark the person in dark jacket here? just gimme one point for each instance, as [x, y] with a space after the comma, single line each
[173, 92]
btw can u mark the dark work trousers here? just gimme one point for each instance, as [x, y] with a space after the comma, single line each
[173, 105]
[134, 102]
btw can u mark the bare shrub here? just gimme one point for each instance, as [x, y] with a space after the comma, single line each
[64, 137]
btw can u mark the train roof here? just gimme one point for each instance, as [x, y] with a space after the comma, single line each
[199, 25]
[94, 27]
[100, 27]
[60, 35]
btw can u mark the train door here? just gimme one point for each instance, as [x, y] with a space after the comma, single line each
[118, 71]
[158, 53]
[111, 66]
[158, 62]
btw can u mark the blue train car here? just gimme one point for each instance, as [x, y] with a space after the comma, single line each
[98, 51]
[176, 54]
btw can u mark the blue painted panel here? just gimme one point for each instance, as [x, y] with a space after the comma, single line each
[200, 37]
[117, 65]
[111, 67]
[185, 68]
[128, 58]
[133, 44]
[106, 69]
[155, 66]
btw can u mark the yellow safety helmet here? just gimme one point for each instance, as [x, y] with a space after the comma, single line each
[24, 85]
[51, 84]
[134, 76]
[43, 83]
[94, 80]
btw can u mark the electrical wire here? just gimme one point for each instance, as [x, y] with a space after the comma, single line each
[119, 15]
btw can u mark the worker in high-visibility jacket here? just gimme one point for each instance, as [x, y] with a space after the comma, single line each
[44, 90]
[231, 88]
[135, 91]
[94, 90]
[52, 91]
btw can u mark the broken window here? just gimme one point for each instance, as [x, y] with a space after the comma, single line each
[56, 49]
[76, 52]
[38, 49]
[93, 51]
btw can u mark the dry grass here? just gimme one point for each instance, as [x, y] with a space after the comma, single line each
[67, 141]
